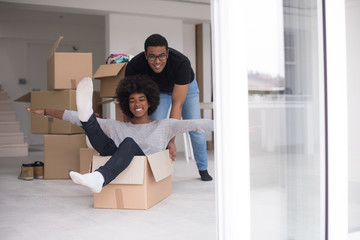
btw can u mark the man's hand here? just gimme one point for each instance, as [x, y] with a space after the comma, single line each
[172, 149]
[177, 100]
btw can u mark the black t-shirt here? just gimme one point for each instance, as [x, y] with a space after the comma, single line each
[176, 71]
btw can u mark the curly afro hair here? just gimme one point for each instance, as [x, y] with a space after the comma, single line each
[137, 84]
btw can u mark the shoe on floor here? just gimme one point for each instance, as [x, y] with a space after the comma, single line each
[27, 172]
[38, 170]
[205, 176]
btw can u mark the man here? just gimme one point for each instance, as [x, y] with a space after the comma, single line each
[172, 71]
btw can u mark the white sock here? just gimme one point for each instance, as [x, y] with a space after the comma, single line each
[94, 181]
[84, 92]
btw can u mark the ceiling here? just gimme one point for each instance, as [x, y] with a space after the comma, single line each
[17, 12]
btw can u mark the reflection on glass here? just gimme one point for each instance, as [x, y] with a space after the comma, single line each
[285, 113]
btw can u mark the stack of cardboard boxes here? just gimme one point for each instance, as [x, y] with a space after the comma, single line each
[62, 140]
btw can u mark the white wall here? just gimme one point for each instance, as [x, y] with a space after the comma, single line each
[353, 73]
[123, 38]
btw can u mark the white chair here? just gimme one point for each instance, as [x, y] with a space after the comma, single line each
[189, 152]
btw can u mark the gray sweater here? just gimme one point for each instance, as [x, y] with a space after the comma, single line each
[151, 137]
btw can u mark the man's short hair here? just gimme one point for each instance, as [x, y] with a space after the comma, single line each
[155, 40]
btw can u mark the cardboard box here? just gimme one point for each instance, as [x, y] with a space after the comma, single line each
[62, 155]
[65, 70]
[145, 182]
[59, 100]
[86, 156]
[110, 75]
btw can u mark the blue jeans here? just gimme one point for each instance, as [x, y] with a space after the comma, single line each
[190, 110]
[121, 156]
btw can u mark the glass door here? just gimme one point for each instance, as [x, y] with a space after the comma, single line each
[280, 104]
[286, 121]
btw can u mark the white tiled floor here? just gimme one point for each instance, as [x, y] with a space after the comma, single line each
[59, 209]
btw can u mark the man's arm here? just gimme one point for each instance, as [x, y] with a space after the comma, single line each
[178, 98]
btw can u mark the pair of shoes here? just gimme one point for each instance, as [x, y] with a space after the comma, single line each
[29, 171]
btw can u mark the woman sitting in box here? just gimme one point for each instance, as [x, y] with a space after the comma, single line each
[138, 97]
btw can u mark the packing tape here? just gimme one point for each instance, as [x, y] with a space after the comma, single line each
[119, 198]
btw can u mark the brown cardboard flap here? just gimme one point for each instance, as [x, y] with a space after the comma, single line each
[133, 174]
[109, 70]
[24, 98]
[161, 165]
[56, 45]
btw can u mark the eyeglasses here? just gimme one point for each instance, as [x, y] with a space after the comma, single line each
[161, 57]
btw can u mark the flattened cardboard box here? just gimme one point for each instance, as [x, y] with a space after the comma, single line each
[60, 100]
[110, 75]
[145, 182]
[61, 155]
[65, 70]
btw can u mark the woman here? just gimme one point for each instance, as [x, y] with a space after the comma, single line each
[138, 97]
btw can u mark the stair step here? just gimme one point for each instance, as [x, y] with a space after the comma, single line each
[11, 138]
[14, 150]
[9, 127]
[7, 116]
[5, 106]
[3, 96]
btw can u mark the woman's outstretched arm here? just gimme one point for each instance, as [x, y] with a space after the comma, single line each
[46, 112]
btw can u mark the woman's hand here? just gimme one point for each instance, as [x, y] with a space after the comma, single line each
[39, 111]
[46, 112]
